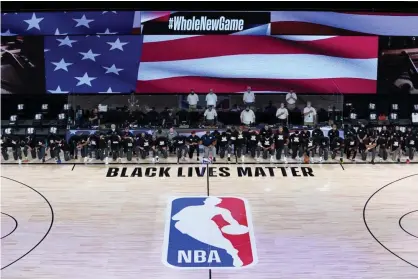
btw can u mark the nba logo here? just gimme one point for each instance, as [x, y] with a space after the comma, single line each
[209, 232]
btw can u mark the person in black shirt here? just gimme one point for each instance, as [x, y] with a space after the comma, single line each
[317, 135]
[193, 141]
[305, 135]
[281, 141]
[73, 142]
[361, 136]
[333, 133]
[92, 145]
[115, 143]
[371, 146]
[40, 145]
[5, 142]
[143, 144]
[53, 140]
[383, 143]
[223, 141]
[253, 139]
[267, 146]
[239, 143]
[179, 143]
[296, 145]
[395, 147]
[127, 143]
[351, 147]
[216, 134]
[323, 149]
[308, 150]
[337, 146]
[82, 145]
[160, 147]
[153, 117]
[410, 144]
[266, 131]
[102, 148]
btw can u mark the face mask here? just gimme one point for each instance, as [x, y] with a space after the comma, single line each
[247, 109]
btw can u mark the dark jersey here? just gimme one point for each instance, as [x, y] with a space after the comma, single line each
[337, 142]
[324, 142]
[145, 142]
[280, 139]
[349, 132]
[179, 141]
[296, 139]
[410, 141]
[193, 139]
[266, 133]
[266, 142]
[102, 142]
[223, 139]
[114, 138]
[394, 143]
[127, 134]
[94, 141]
[239, 138]
[317, 133]
[253, 139]
[351, 142]
[310, 143]
[161, 142]
[333, 134]
[361, 133]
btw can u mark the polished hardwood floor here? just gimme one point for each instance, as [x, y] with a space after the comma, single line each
[310, 221]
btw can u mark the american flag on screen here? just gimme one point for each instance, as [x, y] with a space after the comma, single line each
[228, 64]
[67, 23]
[337, 23]
[92, 64]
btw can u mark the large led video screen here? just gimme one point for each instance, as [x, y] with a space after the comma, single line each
[269, 64]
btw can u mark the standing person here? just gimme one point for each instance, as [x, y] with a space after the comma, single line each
[209, 142]
[179, 144]
[211, 99]
[248, 97]
[224, 143]
[210, 116]
[192, 100]
[281, 141]
[194, 141]
[282, 114]
[309, 115]
[247, 116]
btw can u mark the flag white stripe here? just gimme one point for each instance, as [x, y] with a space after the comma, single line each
[164, 38]
[370, 24]
[303, 38]
[276, 66]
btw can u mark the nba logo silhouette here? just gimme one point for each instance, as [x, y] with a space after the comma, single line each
[209, 232]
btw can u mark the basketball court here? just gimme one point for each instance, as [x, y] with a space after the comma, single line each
[308, 221]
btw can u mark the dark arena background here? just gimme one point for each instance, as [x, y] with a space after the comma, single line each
[206, 142]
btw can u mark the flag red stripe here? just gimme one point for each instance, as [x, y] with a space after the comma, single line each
[231, 85]
[211, 46]
[307, 28]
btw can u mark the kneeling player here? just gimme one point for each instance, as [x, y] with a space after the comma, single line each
[160, 147]
[395, 148]
[179, 144]
[351, 147]
[267, 147]
[223, 142]
[337, 146]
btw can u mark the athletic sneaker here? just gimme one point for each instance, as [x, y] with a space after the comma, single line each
[242, 158]
[20, 162]
[258, 159]
[157, 159]
[285, 160]
[320, 159]
[271, 159]
[311, 160]
[106, 161]
[85, 159]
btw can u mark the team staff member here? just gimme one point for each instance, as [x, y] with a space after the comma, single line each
[247, 116]
[282, 114]
[179, 143]
[281, 141]
[194, 141]
[209, 142]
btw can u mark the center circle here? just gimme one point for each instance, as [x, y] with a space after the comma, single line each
[8, 225]
[406, 221]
